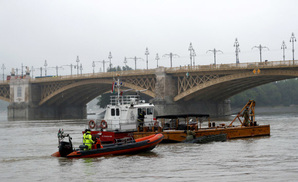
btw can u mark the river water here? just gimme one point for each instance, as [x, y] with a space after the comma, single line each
[26, 147]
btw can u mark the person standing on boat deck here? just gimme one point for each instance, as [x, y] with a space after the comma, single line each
[88, 139]
[84, 136]
[246, 117]
[141, 118]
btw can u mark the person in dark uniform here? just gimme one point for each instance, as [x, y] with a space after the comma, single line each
[245, 115]
[141, 117]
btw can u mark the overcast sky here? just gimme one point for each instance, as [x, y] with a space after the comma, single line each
[32, 31]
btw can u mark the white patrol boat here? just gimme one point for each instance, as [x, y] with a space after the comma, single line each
[124, 115]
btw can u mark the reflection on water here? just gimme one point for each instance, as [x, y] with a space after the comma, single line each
[26, 147]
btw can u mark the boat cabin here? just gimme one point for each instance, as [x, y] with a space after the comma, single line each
[125, 113]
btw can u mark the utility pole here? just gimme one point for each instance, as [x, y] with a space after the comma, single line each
[93, 65]
[214, 52]
[236, 45]
[171, 55]
[157, 58]
[45, 67]
[110, 58]
[260, 47]
[3, 68]
[293, 39]
[57, 68]
[103, 64]
[190, 49]
[78, 60]
[135, 59]
[81, 68]
[147, 53]
[283, 47]
[71, 66]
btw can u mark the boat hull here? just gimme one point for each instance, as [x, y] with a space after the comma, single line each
[231, 132]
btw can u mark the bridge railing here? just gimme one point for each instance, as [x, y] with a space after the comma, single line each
[97, 75]
[234, 66]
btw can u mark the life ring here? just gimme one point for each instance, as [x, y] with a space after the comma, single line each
[103, 124]
[92, 124]
[156, 124]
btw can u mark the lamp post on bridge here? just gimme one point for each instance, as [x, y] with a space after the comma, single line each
[293, 39]
[110, 58]
[3, 68]
[32, 70]
[147, 53]
[283, 47]
[193, 57]
[157, 58]
[190, 49]
[214, 51]
[78, 60]
[81, 68]
[135, 59]
[236, 44]
[171, 55]
[40, 71]
[71, 66]
[103, 64]
[45, 67]
[260, 47]
[57, 69]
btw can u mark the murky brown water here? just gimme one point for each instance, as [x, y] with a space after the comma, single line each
[26, 147]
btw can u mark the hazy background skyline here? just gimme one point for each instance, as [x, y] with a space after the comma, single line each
[58, 31]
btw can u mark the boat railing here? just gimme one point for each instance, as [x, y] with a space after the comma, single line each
[123, 100]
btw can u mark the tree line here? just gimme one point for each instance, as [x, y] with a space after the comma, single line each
[280, 93]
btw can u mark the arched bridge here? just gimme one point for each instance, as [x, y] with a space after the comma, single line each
[174, 90]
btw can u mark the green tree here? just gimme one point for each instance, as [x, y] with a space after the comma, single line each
[272, 94]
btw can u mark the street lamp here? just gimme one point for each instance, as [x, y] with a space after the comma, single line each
[147, 53]
[110, 58]
[78, 60]
[236, 44]
[45, 67]
[157, 58]
[125, 62]
[93, 65]
[293, 39]
[3, 68]
[171, 55]
[135, 59]
[190, 49]
[260, 47]
[283, 47]
[214, 52]
[193, 57]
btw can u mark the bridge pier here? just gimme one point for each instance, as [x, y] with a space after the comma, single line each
[166, 90]
[24, 104]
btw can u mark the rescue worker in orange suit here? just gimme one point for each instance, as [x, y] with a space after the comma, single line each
[87, 139]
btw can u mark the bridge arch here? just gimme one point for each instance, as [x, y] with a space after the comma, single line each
[227, 86]
[82, 92]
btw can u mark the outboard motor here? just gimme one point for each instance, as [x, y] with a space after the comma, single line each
[65, 148]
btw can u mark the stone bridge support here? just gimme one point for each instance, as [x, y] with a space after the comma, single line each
[24, 104]
[166, 90]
